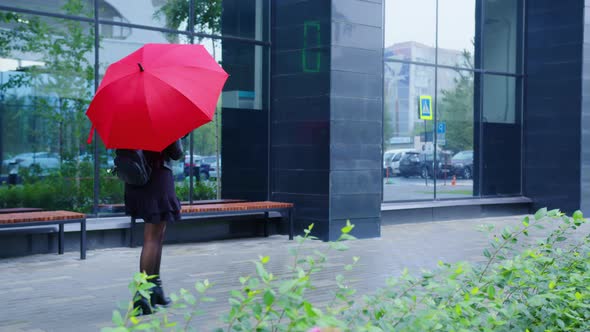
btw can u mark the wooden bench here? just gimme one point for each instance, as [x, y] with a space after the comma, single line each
[30, 219]
[233, 209]
[120, 208]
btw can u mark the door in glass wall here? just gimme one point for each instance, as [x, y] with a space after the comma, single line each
[501, 117]
[455, 163]
[408, 137]
[501, 139]
[243, 138]
[502, 35]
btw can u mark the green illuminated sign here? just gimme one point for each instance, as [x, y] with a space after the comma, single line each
[311, 29]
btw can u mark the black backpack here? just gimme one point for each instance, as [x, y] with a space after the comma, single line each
[132, 167]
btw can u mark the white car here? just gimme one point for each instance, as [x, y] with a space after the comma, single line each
[195, 166]
[214, 171]
[391, 160]
[45, 160]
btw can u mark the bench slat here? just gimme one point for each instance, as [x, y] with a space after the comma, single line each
[217, 210]
[15, 218]
[228, 207]
[120, 207]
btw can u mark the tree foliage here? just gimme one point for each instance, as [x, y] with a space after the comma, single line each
[456, 109]
[60, 84]
[207, 15]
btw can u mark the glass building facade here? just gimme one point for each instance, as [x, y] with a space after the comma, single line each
[350, 109]
[466, 56]
[53, 56]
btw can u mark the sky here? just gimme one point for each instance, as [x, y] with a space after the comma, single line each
[415, 20]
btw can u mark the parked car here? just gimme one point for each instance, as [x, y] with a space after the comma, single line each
[387, 156]
[215, 171]
[422, 164]
[391, 160]
[206, 164]
[200, 170]
[443, 165]
[45, 160]
[209, 159]
[14, 160]
[462, 164]
[410, 165]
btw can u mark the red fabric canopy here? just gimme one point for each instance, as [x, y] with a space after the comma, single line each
[155, 96]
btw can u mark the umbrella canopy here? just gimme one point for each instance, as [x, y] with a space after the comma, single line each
[155, 96]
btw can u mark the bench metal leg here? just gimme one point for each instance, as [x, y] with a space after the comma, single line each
[83, 240]
[291, 226]
[131, 231]
[60, 240]
[265, 224]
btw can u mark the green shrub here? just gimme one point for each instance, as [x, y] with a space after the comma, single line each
[72, 188]
[521, 287]
[202, 190]
[543, 287]
[69, 188]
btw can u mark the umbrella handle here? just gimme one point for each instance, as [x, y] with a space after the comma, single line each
[90, 135]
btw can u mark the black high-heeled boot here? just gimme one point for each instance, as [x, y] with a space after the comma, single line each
[158, 297]
[143, 304]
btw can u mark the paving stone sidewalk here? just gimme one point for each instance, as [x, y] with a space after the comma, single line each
[61, 293]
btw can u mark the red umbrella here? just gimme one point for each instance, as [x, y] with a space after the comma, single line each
[156, 95]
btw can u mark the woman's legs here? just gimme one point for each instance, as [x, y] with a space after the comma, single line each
[149, 262]
[151, 254]
[162, 236]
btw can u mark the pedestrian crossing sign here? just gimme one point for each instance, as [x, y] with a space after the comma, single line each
[426, 112]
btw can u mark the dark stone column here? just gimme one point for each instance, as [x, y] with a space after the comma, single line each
[356, 114]
[327, 114]
[552, 132]
[300, 110]
[585, 126]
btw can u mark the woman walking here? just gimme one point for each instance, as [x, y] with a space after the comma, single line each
[156, 203]
[146, 100]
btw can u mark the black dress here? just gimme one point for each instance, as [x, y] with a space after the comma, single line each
[156, 201]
